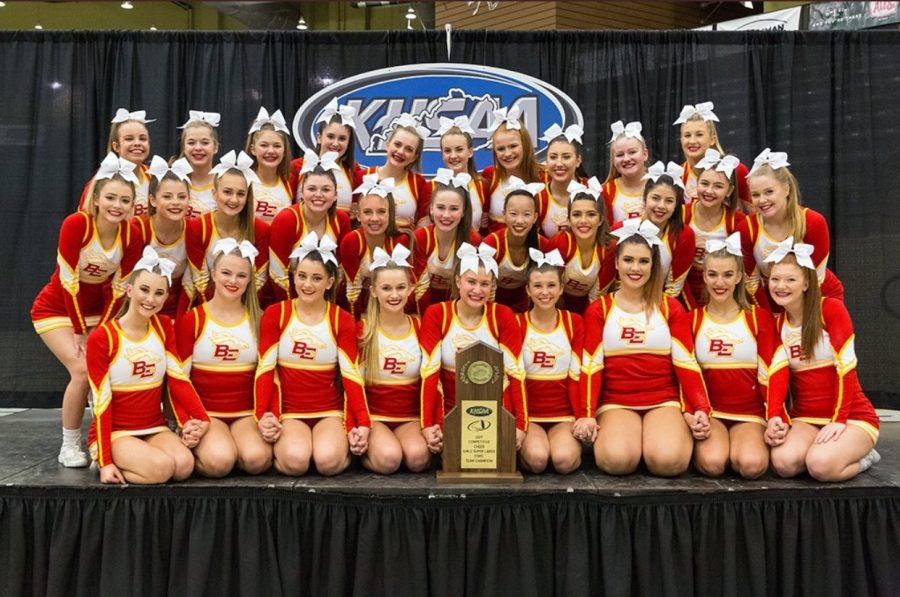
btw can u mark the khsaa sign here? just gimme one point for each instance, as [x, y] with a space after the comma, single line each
[430, 91]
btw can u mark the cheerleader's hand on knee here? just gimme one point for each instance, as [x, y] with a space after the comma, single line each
[270, 428]
[110, 473]
[776, 430]
[585, 429]
[520, 437]
[359, 440]
[434, 438]
[830, 432]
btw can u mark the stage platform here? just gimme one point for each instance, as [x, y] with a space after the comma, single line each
[63, 533]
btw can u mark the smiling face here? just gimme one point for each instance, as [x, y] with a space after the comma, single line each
[713, 188]
[508, 148]
[318, 193]
[311, 281]
[373, 214]
[231, 276]
[544, 288]
[113, 200]
[391, 288]
[629, 156]
[403, 148]
[769, 196]
[230, 193]
[199, 146]
[446, 210]
[659, 204]
[584, 218]
[268, 148]
[787, 283]
[170, 202]
[147, 293]
[132, 142]
[695, 139]
[475, 287]
[520, 214]
[456, 151]
[721, 276]
[562, 161]
[334, 137]
[634, 262]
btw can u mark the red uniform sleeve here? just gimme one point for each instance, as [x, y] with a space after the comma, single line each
[283, 232]
[98, 355]
[85, 199]
[817, 235]
[590, 382]
[266, 393]
[195, 241]
[421, 252]
[183, 397]
[294, 178]
[607, 275]
[741, 173]
[510, 340]
[694, 396]
[261, 234]
[114, 291]
[682, 258]
[74, 234]
[747, 228]
[423, 198]
[430, 336]
[576, 342]
[350, 254]
[493, 240]
[773, 368]
[186, 331]
[356, 410]
[842, 337]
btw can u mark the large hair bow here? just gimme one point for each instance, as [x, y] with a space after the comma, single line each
[345, 112]
[327, 161]
[594, 188]
[407, 120]
[276, 119]
[372, 186]
[672, 170]
[551, 258]
[773, 159]
[732, 244]
[159, 168]
[447, 177]
[514, 183]
[311, 242]
[704, 109]
[470, 258]
[210, 118]
[112, 165]
[802, 251]
[635, 227]
[460, 122]
[632, 130]
[381, 258]
[122, 115]
[227, 245]
[725, 164]
[573, 133]
[508, 116]
[241, 162]
[151, 259]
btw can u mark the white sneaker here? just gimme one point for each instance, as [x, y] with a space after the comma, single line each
[869, 460]
[72, 457]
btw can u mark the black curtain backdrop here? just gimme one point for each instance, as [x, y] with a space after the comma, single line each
[167, 541]
[830, 99]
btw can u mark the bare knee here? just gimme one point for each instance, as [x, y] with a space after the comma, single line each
[183, 465]
[821, 467]
[711, 465]
[215, 464]
[160, 467]
[668, 464]
[751, 466]
[617, 461]
[418, 459]
[331, 461]
[384, 461]
[565, 461]
[256, 459]
[292, 460]
[787, 465]
[534, 458]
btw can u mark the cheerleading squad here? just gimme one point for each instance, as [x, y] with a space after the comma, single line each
[299, 312]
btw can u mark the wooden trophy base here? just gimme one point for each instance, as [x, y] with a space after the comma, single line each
[478, 477]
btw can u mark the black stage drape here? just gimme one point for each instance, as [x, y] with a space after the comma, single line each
[242, 541]
[830, 99]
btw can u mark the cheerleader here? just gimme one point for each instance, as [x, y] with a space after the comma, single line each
[390, 362]
[513, 241]
[269, 144]
[217, 342]
[563, 166]
[743, 365]
[833, 427]
[640, 347]
[337, 133]
[713, 215]
[698, 135]
[513, 159]
[778, 217]
[623, 189]
[436, 244]
[378, 228]
[310, 401]
[163, 228]
[458, 153]
[199, 144]
[96, 253]
[129, 139]
[454, 325]
[233, 218]
[316, 212]
[404, 148]
[128, 359]
[584, 247]
[551, 354]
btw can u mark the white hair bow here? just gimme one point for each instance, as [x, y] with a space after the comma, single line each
[774, 159]
[399, 255]
[227, 245]
[447, 177]
[470, 258]
[210, 118]
[508, 116]
[159, 168]
[345, 112]
[122, 115]
[732, 244]
[802, 251]
[725, 164]
[112, 165]
[151, 259]
[311, 242]
[328, 161]
[409, 121]
[460, 122]
[241, 162]
[594, 188]
[551, 258]
[276, 119]
[572, 133]
[631, 130]
[672, 170]
[635, 227]
[514, 183]
[704, 109]
[372, 186]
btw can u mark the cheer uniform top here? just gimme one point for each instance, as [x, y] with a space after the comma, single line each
[552, 364]
[635, 362]
[299, 364]
[355, 257]
[88, 284]
[176, 252]
[201, 237]
[583, 284]
[621, 205]
[347, 180]
[825, 387]
[496, 191]
[511, 276]
[412, 195]
[434, 276]
[270, 200]
[727, 225]
[556, 214]
[200, 201]
[689, 178]
[442, 336]
[141, 192]
[393, 396]
[220, 360]
[288, 229]
[743, 363]
[756, 245]
[126, 378]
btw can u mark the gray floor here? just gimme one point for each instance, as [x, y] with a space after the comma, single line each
[30, 441]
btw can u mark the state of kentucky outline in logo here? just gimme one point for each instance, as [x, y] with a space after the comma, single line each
[430, 91]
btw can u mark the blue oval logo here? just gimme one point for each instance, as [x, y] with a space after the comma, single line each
[430, 91]
[479, 411]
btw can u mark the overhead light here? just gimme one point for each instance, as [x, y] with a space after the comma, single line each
[127, 5]
[56, 85]
[152, 27]
[38, 26]
[301, 24]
